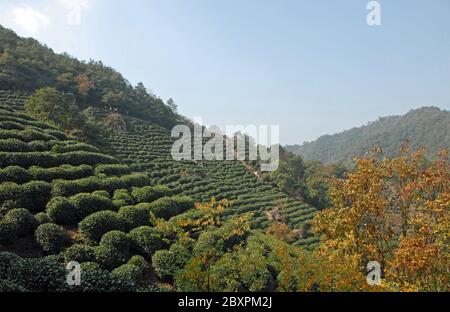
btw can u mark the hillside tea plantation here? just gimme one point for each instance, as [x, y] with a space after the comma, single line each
[120, 215]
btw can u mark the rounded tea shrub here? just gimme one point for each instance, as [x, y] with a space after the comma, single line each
[42, 218]
[19, 222]
[164, 264]
[148, 194]
[146, 240]
[86, 204]
[80, 253]
[140, 262]
[129, 274]
[94, 226]
[113, 250]
[51, 238]
[137, 216]
[60, 210]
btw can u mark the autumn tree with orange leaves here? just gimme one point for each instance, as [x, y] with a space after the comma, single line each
[394, 211]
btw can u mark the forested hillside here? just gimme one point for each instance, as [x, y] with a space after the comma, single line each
[427, 126]
[86, 175]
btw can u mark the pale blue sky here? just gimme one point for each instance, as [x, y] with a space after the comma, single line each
[313, 67]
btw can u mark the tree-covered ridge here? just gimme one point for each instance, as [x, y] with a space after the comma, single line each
[427, 126]
[27, 65]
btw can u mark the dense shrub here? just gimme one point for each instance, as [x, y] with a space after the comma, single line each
[95, 279]
[15, 174]
[13, 145]
[86, 204]
[17, 223]
[42, 218]
[164, 263]
[150, 193]
[114, 169]
[113, 250]
[146, 240]
[123, 198]
[167, 263]
[137, 216]
[60, 210]
[94, 226]
[129, 274]
[66, 172]
[37, 193]
[140, 262]
[74, 147]
[51, 238]
[101, 193]
[168, 207]
[43, 275]
[11, 266]
[79, 253]
[33, 195]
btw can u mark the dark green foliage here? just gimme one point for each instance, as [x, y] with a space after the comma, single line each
[167, 263]
[129, 274]
[113, 250]
[148, 194]
[94, 226]
[96, 279]
[136, 216]
[15, 174]
[17, 223]
[115, 169]
[34, 274]
[43, 275]
[122, 197]
[79, 253]
[86, 204]
[33, 195]
[146, 240]
[94, 183]
[140, 262]
[42, 218]
[61, 210]
[168, 207]
[51, 238]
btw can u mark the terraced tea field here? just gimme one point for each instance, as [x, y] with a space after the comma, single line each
[41, 153]
[146, 148]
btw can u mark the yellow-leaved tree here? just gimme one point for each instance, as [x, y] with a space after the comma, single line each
[396, 212]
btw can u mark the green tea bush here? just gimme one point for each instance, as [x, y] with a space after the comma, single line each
[146, 240]
[150, 193]
[11, 266]
[168, 207]
[129, 274]
[110, 170]
[43, 275]
[136, 216]
[42, 218]
[124, 197]
[79, 253]
[61, 210]
[140, 262]
[14, 145]
[86, 204]
[51, 238]
[113, 250]
[15, 174]
[17, 223]
[94, 226]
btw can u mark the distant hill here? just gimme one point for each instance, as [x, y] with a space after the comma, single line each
[426, 126]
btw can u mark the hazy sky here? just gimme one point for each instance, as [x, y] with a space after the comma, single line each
[313, 67]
